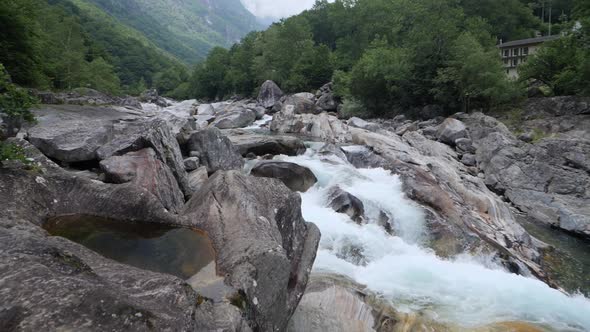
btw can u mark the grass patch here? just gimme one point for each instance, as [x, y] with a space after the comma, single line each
[10, 151]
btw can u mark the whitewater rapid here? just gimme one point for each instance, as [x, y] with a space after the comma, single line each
[467, 291]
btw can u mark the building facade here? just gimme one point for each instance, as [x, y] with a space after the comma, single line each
[516, 52]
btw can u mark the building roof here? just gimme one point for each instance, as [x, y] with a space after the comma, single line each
[528, 41]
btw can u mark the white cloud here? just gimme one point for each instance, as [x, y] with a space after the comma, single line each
[277, 8]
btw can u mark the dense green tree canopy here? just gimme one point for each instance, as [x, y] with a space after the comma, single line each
[385, 55]
[65, 44]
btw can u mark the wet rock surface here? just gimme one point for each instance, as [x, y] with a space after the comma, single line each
[343, 202]
[296, 177]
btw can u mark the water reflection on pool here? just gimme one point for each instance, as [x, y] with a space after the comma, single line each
[177, 251]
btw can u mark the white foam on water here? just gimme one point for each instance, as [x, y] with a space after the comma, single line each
[462, 291]
[258, 124]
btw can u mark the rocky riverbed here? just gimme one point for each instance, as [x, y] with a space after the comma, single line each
[417, 218]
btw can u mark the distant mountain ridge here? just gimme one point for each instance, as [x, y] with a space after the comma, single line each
[188, 29]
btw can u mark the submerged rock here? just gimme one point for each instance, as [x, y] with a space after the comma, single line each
[296, 177]
[343, 202]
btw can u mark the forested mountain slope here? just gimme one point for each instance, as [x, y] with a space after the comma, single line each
[186, 28]
[65, 44]
[114, 46]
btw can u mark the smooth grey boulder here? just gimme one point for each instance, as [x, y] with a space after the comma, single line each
[216, 151]
[469, 160]
[332, 303]
[326, 100]
[405, 128]
[192, 163]
[152, 96]
[247, 142]
[197, 178]
[205, 109]
[264, 248]
[322, 126]
[296, 177]
[344, 202]
[301, 103]
[236, 117]
[74, 133]
[451, 130]
[362, 124]
[464, 145]
[269, 94]
[305, 95]
[258, 110]
[149, 133]
[144, 169]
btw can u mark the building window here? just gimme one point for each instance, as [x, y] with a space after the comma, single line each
[505, 61]
[507, 71]
[507, 53]
[515, 51]
[525, 51]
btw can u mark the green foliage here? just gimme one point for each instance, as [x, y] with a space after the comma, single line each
[65, 44]
[386, 55]
[186, 29]
[381, 78]
[353, 107]
[208, 80]
[15, 102]
[20, 50]
[473, 77]
[563, 65]
[10, 151]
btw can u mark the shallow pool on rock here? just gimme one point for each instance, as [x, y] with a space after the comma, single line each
[178, 251]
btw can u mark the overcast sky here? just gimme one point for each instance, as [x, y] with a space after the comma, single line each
[277, 8]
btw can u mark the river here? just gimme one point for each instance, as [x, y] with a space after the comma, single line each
[468, 291]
